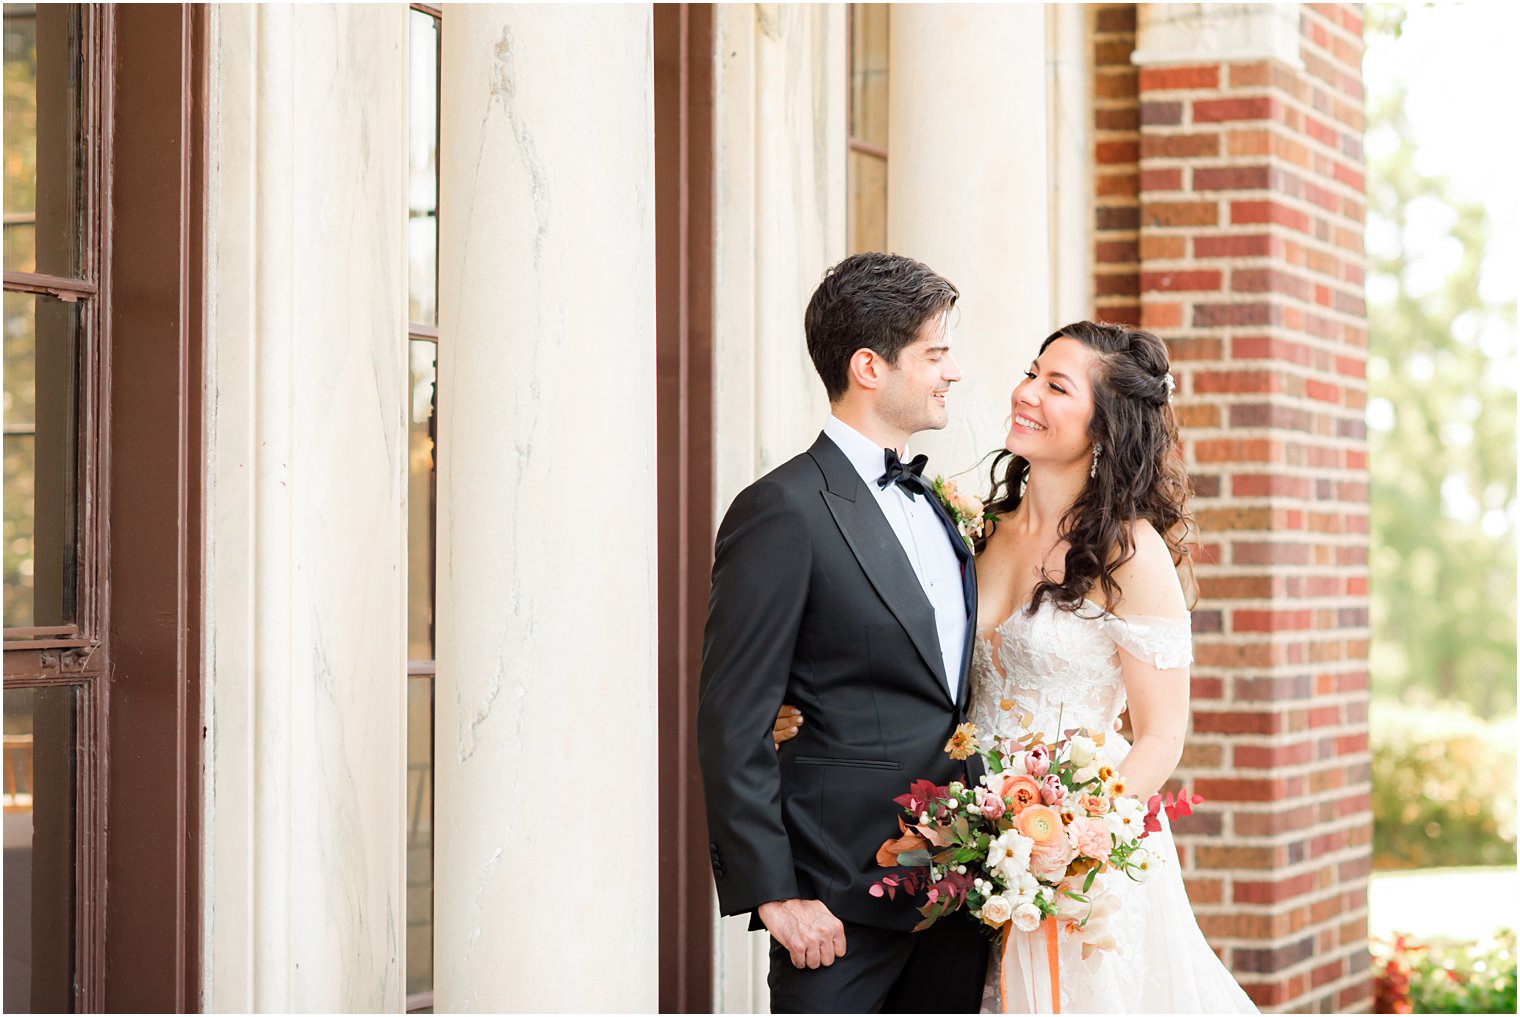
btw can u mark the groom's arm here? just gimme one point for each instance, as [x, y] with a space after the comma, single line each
[759, 589]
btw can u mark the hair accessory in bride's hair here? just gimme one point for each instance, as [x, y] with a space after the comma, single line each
[1171, 386]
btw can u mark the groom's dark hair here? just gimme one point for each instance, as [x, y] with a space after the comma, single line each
[870, 301]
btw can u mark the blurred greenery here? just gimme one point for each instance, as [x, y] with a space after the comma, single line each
[1443, 788]
[1439, 977]
[1441, 427]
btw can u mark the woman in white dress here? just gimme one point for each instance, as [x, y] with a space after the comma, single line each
[1082, 612]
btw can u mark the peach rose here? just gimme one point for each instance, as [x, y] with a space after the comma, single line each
[1094, 805]
[1092, 838]
[1022, 789]
[1040, 823]
[1048, 861]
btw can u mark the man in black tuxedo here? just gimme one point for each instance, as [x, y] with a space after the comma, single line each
[841, 586]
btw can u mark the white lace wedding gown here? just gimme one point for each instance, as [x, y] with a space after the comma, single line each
[1063, 667]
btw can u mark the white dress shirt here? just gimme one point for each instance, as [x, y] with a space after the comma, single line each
[924, 539]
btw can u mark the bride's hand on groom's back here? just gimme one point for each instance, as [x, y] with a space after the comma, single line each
[788, 719]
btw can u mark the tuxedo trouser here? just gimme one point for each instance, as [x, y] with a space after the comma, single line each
[939, 970]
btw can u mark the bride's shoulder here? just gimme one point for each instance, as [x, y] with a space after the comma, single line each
[1149, 580]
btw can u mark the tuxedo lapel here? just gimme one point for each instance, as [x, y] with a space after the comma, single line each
[968, 589]
[880, 554]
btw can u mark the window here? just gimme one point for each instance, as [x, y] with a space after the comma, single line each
[424, 27]
[53, 151]
[869, 35]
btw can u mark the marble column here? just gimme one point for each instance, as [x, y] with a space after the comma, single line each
[545, 816]
[968, 193]
[305, 500]
[780, 174]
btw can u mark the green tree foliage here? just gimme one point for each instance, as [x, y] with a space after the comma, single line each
[1441, 416]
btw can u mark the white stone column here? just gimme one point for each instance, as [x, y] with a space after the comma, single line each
[305, 623]
[1069, 57]
[968, 195]
[780, 176]
[545, 816]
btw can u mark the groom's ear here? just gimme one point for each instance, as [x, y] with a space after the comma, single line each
[867, 367]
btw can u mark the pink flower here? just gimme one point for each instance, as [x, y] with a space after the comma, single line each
[1092, 838]
[1052, 791]
[1048, 861]
[991, 804]
[1094, 805]
[1037, 761]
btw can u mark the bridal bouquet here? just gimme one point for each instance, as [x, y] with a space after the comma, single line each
[1033, 839]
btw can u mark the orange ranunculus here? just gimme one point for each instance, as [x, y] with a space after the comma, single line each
[1039, 823]
[911, 840]
[1023, 789]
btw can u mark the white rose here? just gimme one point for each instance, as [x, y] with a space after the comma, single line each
[1083, 750]
[996, 910]
[1026, 918]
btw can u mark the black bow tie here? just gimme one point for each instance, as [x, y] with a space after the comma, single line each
[908, 476]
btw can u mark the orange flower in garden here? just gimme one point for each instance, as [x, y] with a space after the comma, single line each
[963, 743]
[1023, 789]
[1039, 823]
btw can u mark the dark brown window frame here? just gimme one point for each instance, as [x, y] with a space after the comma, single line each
[857, 144]
[76, 655]
[423, 1001]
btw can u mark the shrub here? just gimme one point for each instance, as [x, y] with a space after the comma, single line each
[1443, 788]
[1445, 978]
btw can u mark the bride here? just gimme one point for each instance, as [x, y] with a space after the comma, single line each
[1082, 613]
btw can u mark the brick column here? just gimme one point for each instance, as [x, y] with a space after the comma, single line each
[1116, 175]
[1250, 263]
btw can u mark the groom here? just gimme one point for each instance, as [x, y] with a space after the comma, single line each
[840, 586]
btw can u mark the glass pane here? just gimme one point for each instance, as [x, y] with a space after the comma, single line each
[868, 73]
[39, 801]
[41, 444]
[43, 165]
[868, 203]
[422, 191]
[419, 834]
[421, 470]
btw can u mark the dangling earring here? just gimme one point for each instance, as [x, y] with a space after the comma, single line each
[1097, 451]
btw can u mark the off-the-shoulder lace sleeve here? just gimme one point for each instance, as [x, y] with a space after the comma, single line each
[1165, 642]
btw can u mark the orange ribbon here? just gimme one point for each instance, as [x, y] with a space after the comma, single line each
[1052, 958]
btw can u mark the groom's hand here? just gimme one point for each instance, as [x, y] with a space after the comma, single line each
[807, 929]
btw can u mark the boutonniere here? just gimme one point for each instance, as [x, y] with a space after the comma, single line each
[965, 510]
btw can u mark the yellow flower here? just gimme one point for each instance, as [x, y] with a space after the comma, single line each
[963, 743]
[1105, 772]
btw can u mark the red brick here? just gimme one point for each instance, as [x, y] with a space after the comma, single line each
[1165, 79]
[1232, 178]
[1180, 213]
[1161, 180]
[1251, 212]
[1235, 246]
[1270, 757]
[1179, 146]
[1203, 280]
[1272, 891]
[1270, 621]
[1258, 107]
[1112, 152]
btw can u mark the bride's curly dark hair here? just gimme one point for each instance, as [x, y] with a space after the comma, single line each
[1140, 471]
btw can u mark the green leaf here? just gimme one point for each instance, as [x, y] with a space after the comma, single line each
[1088, 882]
[914, 858]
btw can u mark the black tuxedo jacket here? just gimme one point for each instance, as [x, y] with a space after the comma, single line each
[814, 603]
